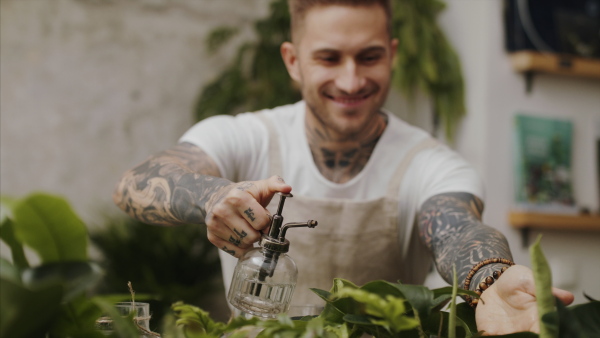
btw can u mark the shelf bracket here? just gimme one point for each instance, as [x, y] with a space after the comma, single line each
[525, 237]
[528, 81]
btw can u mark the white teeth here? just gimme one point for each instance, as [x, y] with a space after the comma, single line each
[348, 100]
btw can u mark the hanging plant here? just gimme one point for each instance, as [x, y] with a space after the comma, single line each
[257, 77]
[425, 60]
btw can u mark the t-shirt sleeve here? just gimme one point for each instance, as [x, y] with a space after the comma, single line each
[441, 170]
[237, 144]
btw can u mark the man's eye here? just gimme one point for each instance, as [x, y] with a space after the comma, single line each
[370, 58]
[329, 59]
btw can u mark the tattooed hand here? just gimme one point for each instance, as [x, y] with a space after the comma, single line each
[236, 213]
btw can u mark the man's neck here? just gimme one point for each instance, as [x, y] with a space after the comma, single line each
[341, 157]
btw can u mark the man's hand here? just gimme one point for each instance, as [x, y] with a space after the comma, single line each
[236, 214]
[509, 305]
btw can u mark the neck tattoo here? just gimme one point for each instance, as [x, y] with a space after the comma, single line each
[341, 160]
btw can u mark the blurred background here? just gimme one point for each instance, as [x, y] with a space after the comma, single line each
[90, 88]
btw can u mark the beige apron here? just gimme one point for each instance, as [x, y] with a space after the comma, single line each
[355, 240]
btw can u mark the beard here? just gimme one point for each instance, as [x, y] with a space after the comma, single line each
[345, 121]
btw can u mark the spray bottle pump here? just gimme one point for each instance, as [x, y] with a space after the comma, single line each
[265, 277]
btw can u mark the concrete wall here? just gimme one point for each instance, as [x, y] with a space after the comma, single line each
[91, 87]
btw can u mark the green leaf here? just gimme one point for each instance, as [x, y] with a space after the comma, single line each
[543, 288]
[7, 233]
[27, 313]
[220, 36]
[9, 271]
[76, 318]
[452, 315]
[48, 225]
[75, 277]
[576, 321]
[197, 322]
[388, 312]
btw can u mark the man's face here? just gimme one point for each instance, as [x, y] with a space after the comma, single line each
[342, 59]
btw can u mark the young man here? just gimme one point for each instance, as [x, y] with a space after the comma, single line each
[362, 173]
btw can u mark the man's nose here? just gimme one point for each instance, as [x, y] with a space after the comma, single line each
[349, 79]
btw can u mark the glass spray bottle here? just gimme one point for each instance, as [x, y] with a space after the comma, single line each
[265, 277]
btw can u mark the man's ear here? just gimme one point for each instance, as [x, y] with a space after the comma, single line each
[290, 58]
[394, 49]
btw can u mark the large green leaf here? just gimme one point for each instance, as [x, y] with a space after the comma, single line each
[77, 318]
[48, 225]
[543, 288]
[588, 315]
[9, 271]
[7, 232]
[75, 277]
[25, 313]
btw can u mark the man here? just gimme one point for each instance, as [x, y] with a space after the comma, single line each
[365, 175]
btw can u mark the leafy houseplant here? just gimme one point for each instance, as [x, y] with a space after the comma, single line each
[169, 263]
[50, 299]
[53, 298]
[383, 309]
[257, 77]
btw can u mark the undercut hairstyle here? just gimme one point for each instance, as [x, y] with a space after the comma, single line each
[299, 8]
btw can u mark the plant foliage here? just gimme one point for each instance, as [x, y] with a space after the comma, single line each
[49, 299]
[389, 310]
[169, 264]
[425, 60]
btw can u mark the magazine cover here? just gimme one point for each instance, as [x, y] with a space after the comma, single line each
[543, 175]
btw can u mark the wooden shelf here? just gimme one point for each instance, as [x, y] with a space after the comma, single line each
[526, 221]
[532, 62]
[555, 222]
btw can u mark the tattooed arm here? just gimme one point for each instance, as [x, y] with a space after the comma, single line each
[181, 185]
[450, 226]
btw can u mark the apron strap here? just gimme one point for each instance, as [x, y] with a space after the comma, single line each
[394, 186]
[275, 167]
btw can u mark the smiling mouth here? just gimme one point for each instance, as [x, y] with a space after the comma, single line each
[348, 100]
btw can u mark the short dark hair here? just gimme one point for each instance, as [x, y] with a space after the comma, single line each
[298, 9]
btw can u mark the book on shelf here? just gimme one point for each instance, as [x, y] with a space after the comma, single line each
[542, 165]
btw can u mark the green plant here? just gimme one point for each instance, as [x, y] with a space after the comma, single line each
[383, 309]
[426, 60]
[51, 299]
[258, 79]
[168, 263]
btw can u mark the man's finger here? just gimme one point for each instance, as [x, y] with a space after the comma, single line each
[264, 190]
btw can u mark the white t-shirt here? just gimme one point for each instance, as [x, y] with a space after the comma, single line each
[239, 146]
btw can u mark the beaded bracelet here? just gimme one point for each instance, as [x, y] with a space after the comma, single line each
[487, 281]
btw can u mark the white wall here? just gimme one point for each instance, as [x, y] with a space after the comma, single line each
[494, 94]
[90, 88]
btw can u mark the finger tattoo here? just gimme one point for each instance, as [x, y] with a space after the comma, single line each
[241, 235]
[250, 213]
[234, 241]
[231, 252]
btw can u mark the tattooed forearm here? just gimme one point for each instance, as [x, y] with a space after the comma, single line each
[450, 226]
[171, 187]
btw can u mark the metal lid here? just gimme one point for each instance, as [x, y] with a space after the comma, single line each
[272, 244]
